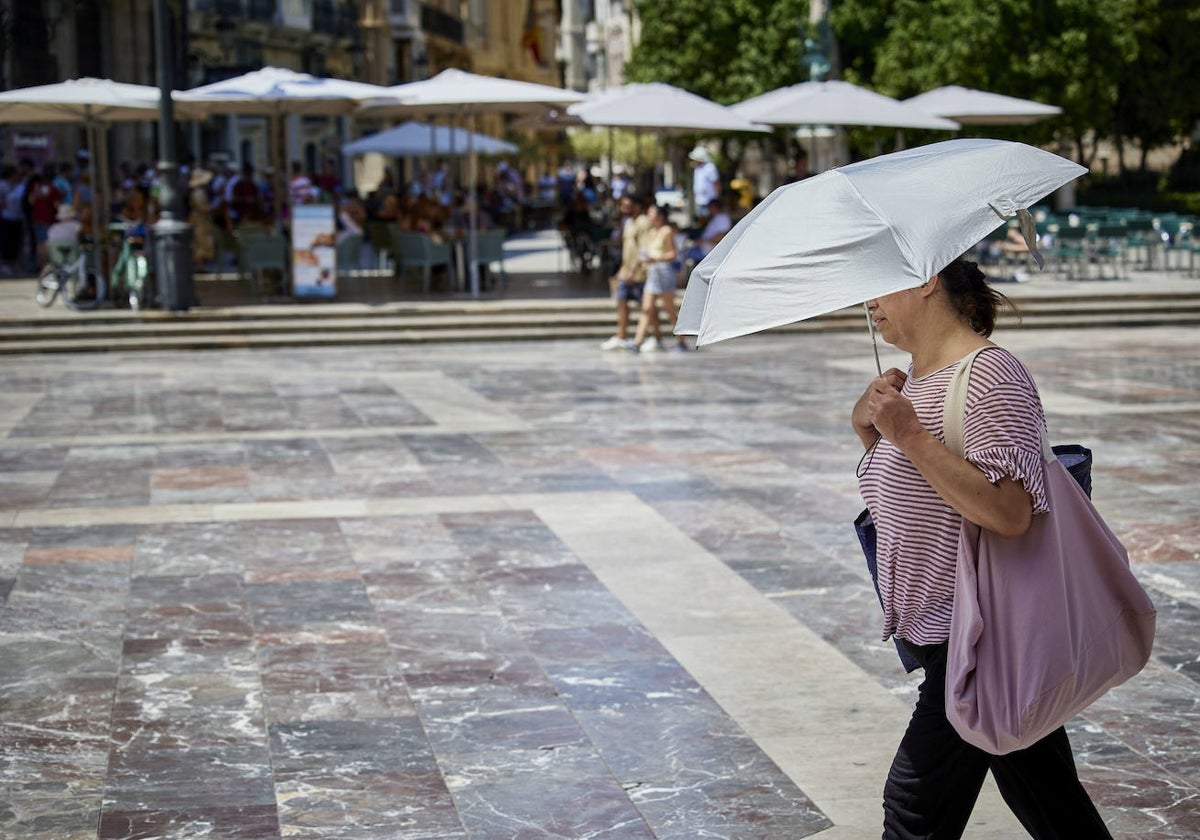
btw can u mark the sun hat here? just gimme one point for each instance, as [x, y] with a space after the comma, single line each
[199, 178]
[700, 154]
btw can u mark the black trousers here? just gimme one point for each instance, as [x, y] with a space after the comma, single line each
[936, 776]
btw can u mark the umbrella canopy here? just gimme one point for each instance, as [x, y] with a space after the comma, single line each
[275, 91]
[456, 91]
[836, 103]
[95, 103]
[414, 139]
[862, 231]
[979, 107]
[659, 107]
[80, 100]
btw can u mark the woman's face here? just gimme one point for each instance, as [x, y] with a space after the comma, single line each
[655, 216]
[897, 316]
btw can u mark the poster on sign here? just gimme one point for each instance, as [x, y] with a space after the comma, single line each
[314, 251]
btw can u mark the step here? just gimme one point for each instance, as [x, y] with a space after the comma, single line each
[224, 339]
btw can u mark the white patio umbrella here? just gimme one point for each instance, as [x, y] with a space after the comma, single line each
[659, 107]
[459, 93]
[416, 139]
[980, 107]
[835, 103]
[275, 93]
[862, 231]
[95, 103]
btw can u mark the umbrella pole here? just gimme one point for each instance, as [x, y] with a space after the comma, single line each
[472, 235]
[874, 341]
[93, 153]
[277, 155]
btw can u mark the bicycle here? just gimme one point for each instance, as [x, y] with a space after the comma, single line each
[70, 272]
[131, 272]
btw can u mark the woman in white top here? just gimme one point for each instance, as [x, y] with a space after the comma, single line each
[659, 258]
[918, 492]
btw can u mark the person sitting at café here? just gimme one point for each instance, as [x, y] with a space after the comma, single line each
[66, 228]
[717, 223]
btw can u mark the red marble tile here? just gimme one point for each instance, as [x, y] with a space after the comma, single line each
[80, 554]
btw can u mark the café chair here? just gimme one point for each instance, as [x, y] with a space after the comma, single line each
[419, 250]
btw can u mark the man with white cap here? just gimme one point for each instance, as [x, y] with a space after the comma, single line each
[706, 180]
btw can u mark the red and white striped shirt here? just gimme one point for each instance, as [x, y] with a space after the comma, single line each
[916, 530]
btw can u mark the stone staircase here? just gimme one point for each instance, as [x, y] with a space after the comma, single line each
[416, 322]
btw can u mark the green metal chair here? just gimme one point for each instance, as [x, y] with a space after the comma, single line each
[490, 250]
[379, 238]
[419, 250]
[260, 252]
[349, 252]
[1069, 251]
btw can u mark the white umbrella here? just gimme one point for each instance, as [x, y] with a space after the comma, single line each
[275, 92]
[862, 231]
[659, 107]
[93, 102]
[458, 92]
[415, 139]
[835, 103]
[980, 107]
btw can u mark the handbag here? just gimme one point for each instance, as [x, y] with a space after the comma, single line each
[1076, 459]
[1043, 624]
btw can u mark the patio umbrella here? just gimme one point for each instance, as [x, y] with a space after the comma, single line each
[980, 107]
[457, 92]
[659, 107]
[275, 93]
[835, 103]
[416, 139]
[865, 230]
[95, 103]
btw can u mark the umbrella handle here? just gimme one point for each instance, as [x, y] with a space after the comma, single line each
[874, 342]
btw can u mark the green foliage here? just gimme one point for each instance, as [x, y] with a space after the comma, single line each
[587, 144]
[1119, 69]
[724, 50]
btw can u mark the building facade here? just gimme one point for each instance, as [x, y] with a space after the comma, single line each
[580, 44]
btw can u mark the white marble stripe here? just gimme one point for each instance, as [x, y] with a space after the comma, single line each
[826, 723]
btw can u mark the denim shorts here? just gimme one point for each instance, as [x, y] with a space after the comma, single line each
[630, 291]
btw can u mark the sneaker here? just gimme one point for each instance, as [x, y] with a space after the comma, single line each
[630, 345]
[613, 343]
[679, 347]
[650, 345]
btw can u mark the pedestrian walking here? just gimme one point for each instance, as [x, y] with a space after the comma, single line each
[918, 492]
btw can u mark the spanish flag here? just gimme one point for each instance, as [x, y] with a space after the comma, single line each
[531, 36]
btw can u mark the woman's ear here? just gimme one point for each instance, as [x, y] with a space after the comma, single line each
[931, 285]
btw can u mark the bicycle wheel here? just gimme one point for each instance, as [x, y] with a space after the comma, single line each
[47, 287]
[85, 289]
[137, 281]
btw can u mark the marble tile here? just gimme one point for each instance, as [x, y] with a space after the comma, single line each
[544, 592]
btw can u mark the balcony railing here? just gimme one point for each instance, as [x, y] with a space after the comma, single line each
[259, 11]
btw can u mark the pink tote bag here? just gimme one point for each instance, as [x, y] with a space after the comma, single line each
[1043, 624]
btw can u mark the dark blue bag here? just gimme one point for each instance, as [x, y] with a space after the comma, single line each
[1078, 461]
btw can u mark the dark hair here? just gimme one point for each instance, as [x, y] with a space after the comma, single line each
[971, 296]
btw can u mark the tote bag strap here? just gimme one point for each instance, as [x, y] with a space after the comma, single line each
[956, 406]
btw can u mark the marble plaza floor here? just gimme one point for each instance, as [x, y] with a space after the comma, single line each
[517, 591]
